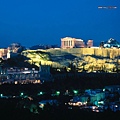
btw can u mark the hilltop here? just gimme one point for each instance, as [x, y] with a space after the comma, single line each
[90, 59]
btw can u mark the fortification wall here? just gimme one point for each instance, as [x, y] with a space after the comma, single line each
[103, 52]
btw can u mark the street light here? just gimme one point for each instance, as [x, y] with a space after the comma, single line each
[57, 92]
[75, 91]
[40, 93]
[1, 95]
[21, 94]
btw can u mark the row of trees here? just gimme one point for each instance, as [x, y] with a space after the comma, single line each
[73, 67]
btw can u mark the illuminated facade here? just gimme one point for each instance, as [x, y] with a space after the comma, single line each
[25, 75]
[90, 43]
[110, 43]
[69, 42]
[21, 75]
[3, 52]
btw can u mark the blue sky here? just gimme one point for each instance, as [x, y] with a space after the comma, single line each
[32, 22]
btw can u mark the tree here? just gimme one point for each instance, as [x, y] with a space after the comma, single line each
[16, 48]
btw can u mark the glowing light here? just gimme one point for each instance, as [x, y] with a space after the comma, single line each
[57, 92]
[39, 81]
[97, 111]
[116, 106]
[74, 104]
[21, 94]
[101, 102]
[41, 105]
[93, 107]
[30, 98]
[16, 82]
[75, 91]
[40, 93]
[103, 89]
[1, 95]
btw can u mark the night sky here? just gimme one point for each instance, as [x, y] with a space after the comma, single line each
[32, 22]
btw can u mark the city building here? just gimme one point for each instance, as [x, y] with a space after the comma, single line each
[21, 75]
[110, 43]
[49, 101]
[113, 88]
[3, 52]
[11, 54]
[45, 74]
[25, 75]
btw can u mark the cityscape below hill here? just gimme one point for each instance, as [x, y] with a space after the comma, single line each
[85, 84]
[59, 59]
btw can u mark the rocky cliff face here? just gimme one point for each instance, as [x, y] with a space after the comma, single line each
[103, 52]
[90, 59]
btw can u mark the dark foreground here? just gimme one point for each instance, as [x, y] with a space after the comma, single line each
[9, 113]
[19, 108]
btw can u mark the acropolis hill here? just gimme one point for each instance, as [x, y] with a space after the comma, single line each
[87, 58]
[101, 52]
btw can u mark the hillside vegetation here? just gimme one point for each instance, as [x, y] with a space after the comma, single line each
[90, 59]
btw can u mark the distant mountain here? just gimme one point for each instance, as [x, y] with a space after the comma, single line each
[35, 47]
